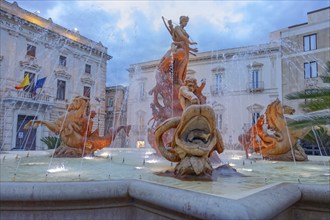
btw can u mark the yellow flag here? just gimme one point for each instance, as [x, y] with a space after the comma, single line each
[25, 82]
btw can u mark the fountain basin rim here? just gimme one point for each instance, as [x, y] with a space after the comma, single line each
[171, 198]
[13, 153]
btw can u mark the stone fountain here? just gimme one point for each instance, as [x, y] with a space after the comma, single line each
[183, 132]
[184, 129]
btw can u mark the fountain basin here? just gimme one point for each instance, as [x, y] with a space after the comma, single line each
[120, 183]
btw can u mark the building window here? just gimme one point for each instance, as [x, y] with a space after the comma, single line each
[62, 61]
[255, 116]
[255, 83]
[310, 42]
[219, 121]
[31, 50]
[60, 94]
[111, 122]
[110, 102]
[88, 68]
[30, 88]
[87, 91]
[255, 79]
[142, 93]
[310, 70]
[141, 123]
[218, 80]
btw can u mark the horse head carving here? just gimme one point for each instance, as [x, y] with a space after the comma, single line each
[282, 143]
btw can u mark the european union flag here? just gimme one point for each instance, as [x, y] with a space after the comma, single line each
[40, 83]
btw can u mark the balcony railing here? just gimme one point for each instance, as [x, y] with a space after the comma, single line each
[255, 86]
[27, 96]
[216, 90]
[109, 109]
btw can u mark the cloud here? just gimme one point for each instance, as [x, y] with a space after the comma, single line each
[133, 31]
[130, 13]
[124, 10]
[56, 12]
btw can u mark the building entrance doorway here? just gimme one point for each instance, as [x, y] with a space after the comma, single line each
[25, 139]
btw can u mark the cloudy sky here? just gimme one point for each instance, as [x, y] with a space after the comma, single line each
[133, 31]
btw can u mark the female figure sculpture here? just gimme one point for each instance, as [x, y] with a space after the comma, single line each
[172, 70]
[170, 76]
[180, 35]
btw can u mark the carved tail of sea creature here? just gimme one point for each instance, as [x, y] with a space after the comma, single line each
[165, 126]
[98, 142]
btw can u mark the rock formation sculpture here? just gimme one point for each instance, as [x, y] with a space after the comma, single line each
[75, 130]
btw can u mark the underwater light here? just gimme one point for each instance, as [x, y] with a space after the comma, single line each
[57, 169]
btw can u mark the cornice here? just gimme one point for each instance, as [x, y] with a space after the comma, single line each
[218, 69]
[34, 23]
[62, 73]
[255, 65]
[225, 56]
[87, 80]
[30, 63]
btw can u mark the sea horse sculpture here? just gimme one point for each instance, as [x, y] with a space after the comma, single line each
[282, 143]
[74, 129]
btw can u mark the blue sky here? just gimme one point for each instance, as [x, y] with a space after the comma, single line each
[133, 31]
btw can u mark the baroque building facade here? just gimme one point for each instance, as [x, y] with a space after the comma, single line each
[34, 47]
[242, 82]
[116, 113]
[305, 51]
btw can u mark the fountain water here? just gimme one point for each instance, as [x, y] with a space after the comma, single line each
[259, 177]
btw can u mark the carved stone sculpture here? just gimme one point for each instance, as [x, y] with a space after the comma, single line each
[75, 130]
[282, 142]
[195, 138]
[195, 135]
[170, 76]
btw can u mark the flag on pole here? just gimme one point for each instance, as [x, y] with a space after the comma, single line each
[25, 82]
[39, 84]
